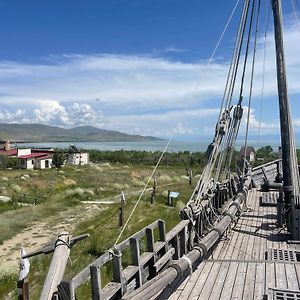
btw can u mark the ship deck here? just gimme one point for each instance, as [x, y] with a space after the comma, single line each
[249, 262]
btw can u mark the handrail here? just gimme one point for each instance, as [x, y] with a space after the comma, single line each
[160, 254]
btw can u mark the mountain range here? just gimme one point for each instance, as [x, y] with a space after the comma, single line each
[46, 133]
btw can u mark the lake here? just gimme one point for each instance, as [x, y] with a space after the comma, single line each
[175, 146]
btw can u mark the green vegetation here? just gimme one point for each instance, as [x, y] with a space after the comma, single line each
[265, 155]
[58, 159]
[149, 158]
[7, 162]
[64, 207]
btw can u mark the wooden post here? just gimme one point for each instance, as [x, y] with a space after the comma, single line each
[169, 198]
[23, 290]
[135, 252]
[121, 216]
[57, 266]
[97, 293]
[190, 177]
[118, 270]
[121, 210]
[153, 194]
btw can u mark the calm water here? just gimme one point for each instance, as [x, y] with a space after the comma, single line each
[175, 146]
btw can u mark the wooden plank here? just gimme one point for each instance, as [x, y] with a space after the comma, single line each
[255, 254]
[230, 279]
[219, 281]
[260, 274]
[250, 281]
[297, 269]
[291, 277]
[184, 290]
[208, 286]
[239, 283]
[201, 281]
[270, 276]
[280, 275]
[164, 259]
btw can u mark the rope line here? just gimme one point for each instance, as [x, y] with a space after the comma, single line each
[143, 191]
[251, 88]
[268, 8]
[296, 15]
[223, 32]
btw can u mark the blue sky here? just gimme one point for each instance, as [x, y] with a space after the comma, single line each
[136, 66]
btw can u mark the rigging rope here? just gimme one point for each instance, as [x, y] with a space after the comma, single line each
[251, 88]
[227, 154]
[224, 116]
[143, 191]
[223, 32]
[219, 41]
[296, 15]
[268, 9]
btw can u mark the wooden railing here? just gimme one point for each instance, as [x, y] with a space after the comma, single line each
[161, 250]
[266, 172]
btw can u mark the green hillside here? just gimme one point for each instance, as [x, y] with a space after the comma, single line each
[45, 133]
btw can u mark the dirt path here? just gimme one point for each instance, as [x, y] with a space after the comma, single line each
[41, 233]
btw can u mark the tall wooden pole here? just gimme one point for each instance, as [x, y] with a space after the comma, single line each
[57, 266]
[288, 158]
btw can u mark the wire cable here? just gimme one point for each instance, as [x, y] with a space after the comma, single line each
[296, 15]
[251, 88]
[143, 191]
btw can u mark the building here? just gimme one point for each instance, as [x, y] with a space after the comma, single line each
[249, 154]
[77, 158]
[40, 160]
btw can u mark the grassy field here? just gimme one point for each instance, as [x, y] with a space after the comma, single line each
[59, 198]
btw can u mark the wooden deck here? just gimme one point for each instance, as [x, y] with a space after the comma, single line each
[238, 268]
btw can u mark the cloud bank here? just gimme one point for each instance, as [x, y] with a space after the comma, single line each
[144, 94]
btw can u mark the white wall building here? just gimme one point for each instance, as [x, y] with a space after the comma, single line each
[78, 159]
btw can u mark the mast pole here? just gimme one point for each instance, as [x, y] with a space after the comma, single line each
[288, 157]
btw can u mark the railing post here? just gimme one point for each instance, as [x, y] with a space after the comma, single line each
[135, 252]
[183, 241]
[96, 283]
[162, 233]
[150, 247]
[117, 270]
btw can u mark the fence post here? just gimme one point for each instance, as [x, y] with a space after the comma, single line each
[153, 194]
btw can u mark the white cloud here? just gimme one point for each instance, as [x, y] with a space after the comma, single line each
[135, 93]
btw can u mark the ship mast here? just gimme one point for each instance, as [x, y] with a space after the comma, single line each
[289, 160]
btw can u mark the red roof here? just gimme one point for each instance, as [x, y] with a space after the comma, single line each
[12, 152]
[44, 157]
[34, 155]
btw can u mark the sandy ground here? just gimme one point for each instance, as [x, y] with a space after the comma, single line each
[39, 234]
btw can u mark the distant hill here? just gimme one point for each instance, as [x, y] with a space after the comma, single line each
[45, 133]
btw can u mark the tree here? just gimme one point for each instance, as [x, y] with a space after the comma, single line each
[58, 159]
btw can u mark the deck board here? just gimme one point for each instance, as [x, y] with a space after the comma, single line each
[237, 268]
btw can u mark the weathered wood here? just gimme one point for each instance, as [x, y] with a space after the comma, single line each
[167, 257]
[57, 266]
[135, 252]
[96, 283]
[117, 270]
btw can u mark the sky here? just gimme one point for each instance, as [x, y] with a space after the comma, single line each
[137, 66]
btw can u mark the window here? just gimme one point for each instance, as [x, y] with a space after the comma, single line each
[32, 162]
